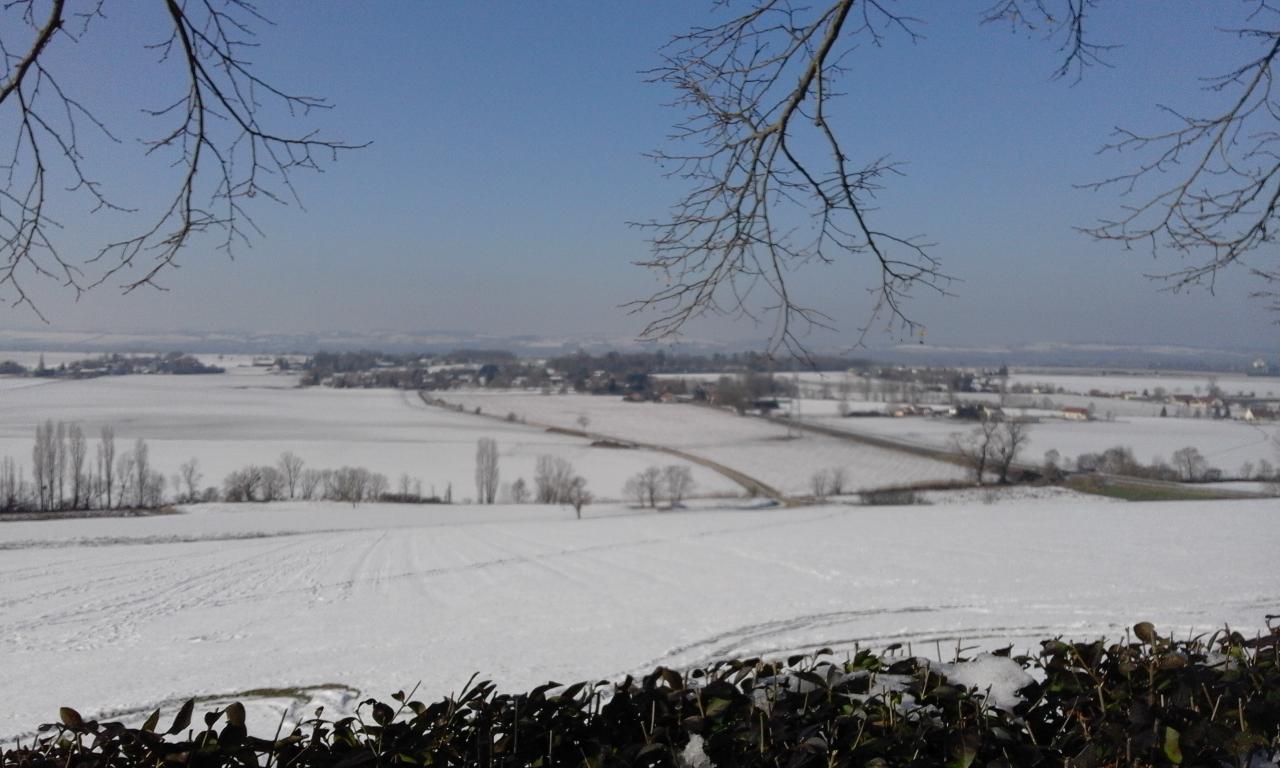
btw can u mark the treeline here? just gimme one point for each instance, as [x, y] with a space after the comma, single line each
[672, 483]
[1186, 465]
[70, 473]
[65, 477]
[173, 363]
[371, 368]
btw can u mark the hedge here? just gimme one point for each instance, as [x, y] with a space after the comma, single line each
[1144, 701]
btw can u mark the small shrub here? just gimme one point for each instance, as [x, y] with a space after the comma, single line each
[890, 497]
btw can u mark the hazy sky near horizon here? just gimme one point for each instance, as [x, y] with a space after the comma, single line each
[507, 159]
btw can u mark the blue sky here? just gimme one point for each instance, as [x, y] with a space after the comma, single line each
[507, 159]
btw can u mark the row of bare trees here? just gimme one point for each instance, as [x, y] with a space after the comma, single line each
[556, 482]
[65, 477]
[1186, 464]
[832, 481]
[290, 479]
[673, 483]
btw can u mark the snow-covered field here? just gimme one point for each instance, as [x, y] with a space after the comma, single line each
[1225, 444]
[763, 450]
[1266, 387]
[248, 416]
[115, 616]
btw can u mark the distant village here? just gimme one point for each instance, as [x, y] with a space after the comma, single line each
[745, 382]
[750, 383]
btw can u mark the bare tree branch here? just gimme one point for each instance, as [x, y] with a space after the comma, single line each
[1065, 19]
[755, 91]
[218, 142]
[1208, 188]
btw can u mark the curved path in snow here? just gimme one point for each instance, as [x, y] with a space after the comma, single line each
[752, 485]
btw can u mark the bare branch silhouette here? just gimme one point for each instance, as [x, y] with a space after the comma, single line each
[217, 138]
[1065, 19]
[761, 201]
[1207, 189]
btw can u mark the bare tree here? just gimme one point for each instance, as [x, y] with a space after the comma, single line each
[290, 467]
[42, 465]
[379, 486]
[107, 461]
[552, 478]
[1189, 462]
[1011, 437]
[819, 484]
[188, 480]
[677, 481]
[1052, 465]
[125, 474]
[645, 486]
[519, 491]
[11, 486]
[839, 479]
[486, 470]
[242, 484]
[978, 447]
[142, 470]
[577, 495]
[272, 483]
[60, 462]
[631, 489]
[219, 134]
[309, 482]
[1264, 471]
[77, 451]
[828, 482]
[152, 490]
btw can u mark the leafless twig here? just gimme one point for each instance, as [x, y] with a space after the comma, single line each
[223, 152]
[1208, 188]
[755, 91]
[1063, 20]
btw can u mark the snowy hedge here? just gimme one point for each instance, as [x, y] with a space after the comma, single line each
[1144, 701]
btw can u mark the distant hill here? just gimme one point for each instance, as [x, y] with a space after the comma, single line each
[1046, 353]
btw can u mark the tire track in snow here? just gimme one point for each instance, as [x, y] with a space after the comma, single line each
[733, 641]
[142, 595]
